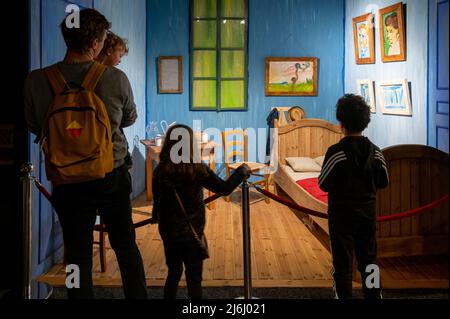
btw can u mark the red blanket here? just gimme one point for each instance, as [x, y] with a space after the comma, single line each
[311, 185]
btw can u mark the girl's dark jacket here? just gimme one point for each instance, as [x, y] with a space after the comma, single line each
[188, 180]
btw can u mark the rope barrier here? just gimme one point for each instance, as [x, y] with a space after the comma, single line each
[147, 221]
[290, 204]
[212, 198]
[414, 211]
[102, 227]
[280, 200]
[380, 219]
[42, 189]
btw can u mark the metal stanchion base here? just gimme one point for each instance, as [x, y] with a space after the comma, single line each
[40, 290]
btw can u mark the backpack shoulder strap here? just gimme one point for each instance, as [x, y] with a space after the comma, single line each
[56, 78]
[93, 76]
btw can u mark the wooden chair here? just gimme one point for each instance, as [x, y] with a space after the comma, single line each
[234, 148]
[100, 227]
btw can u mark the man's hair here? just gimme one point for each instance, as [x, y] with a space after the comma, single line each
[353, 113]
[392, 20]
[113, 41]
[93, 25]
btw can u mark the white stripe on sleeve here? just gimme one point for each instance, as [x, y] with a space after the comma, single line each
[340, 156]
[322, 178]
[331, 159]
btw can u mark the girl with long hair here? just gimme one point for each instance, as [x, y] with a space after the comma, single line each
[181, 174]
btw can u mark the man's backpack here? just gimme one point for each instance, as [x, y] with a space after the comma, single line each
[76, 136]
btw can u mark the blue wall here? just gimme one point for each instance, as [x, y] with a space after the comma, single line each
[279, 28]
[47, 47]
[128, 20]
[386, 130]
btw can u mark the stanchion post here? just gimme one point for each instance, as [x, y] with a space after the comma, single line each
[26, 172]
[246, 239]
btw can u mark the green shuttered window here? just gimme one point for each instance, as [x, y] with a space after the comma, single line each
[218, 55]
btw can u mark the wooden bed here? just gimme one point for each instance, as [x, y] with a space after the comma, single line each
[418, 176]
[304, 138]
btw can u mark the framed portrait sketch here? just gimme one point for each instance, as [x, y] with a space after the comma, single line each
[366, 90]
[394, 98]
[363, 37]
[392, 33]
[291, 76]
[170, 77]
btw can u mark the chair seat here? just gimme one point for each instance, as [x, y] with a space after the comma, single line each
[254, 167]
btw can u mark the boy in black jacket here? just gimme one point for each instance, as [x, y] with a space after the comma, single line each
[352, 172]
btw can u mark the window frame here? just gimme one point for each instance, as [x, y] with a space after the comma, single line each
[218, 78]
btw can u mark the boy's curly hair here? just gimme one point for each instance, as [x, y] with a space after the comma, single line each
[93, 25]
[353, 113]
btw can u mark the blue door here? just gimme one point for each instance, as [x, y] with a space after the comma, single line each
[46, 47]
[438, 74]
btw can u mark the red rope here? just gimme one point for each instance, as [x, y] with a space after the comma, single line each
[291, 204]
[212, 198]
[414, 211]
[380, 219]
[43, 190]
[147, 221]
[102, 227]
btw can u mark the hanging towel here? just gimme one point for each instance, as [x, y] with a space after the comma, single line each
[273, 115]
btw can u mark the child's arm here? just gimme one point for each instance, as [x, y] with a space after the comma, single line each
[381, 172]
[328, 175]
[215, 184]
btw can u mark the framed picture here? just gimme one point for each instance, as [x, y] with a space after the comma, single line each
[291, 76]
[392, 33]
[365, 89]
[394, 98]
[170, 74]
[363, 37]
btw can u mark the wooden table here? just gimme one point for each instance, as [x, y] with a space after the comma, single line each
[153, 151]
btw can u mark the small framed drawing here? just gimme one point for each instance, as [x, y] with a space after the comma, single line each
[392, 33]
[291, 76]
[365, 89]
[393, 97]
[363, 38]
[170, 74]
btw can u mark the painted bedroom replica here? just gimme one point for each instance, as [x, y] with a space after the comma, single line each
[258, 82]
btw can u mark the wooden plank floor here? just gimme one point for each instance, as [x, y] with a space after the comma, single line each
[284, 253]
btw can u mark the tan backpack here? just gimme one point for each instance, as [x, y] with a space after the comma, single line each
[76, 136]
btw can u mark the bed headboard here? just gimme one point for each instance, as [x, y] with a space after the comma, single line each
[418, 175]
[307, 137]
[283, 111]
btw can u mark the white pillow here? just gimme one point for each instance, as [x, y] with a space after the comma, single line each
[303, 164]
[319, 160]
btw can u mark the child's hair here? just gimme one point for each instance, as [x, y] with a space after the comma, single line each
[175, 135]
[113, 41]
[170, 141]
[353, 113]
